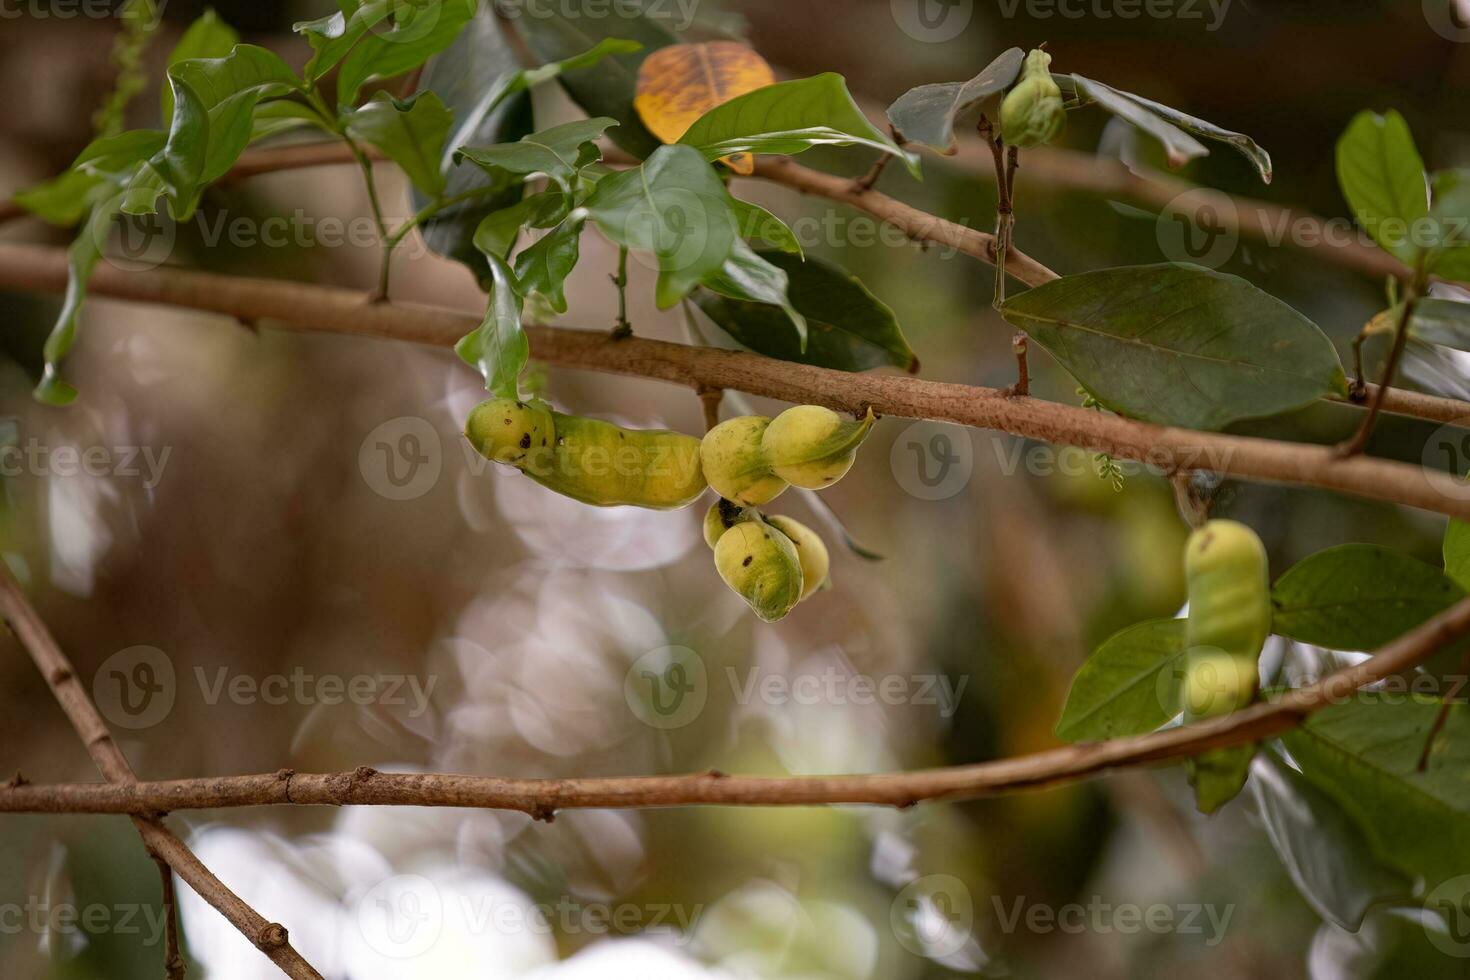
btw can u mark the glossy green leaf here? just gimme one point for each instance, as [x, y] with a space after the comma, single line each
[177, 170]
[790, 117]
[526, 78]
[498, 231]
[848, 328]
[1456, 550]
[333, 36]
[748, 277]
[1179, 146]
[926, 115]
[229, 89]
[1450, 232]
[1364, 754]
[543, 266]
[1129, 686]
[81, 258]
[62, 200]
[498, 348]
[558, 152]
[1382, 177]
[280, 116]
[411, 134]
[1358, 597]
[1327, 855]
[1180, 345]
[1248, 147]
[758, 224]
[65, 199]
[117, 156]
[675, 206]
[607, 87]
[207, 37]
[420, 31]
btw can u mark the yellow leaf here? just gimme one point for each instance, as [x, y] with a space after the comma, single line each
[679, 83]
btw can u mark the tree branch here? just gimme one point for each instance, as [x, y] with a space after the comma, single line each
[1171, 450]
[269, 937]
[541, 798]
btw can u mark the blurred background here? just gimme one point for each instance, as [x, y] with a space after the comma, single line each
[284, 535]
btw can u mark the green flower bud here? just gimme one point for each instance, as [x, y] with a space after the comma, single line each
[735, 464]
[1229, 593]
[810, 551]
[761, 565]
[813, 447]
[1032, 112]
[1216, 683]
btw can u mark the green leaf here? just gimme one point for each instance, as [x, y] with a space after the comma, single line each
[1358, 597]
[229, 89]
[62, 200]
[1450, 214]
[926, 115]
[543, 266]
[675, 206]
[117, 156]
[177, 170]
[748, 277]
[411, 134]
[1327, 855]
[498, 348]
[1219, 775]
[1179, 146]
[607, 87]
[498, 231]
[559, 152]
[467, 77]
[422, 30]
[1180, 345]
[207, 37]
[1457, 552]
[849, 329]
[1248, 147]
[1382, 177]
[273, 118]
[526, 78]
[1365, 755]
[1129, 686]
[81, 258]
[1439, 321]
[790, 117]
[332, 36]
[755, 222]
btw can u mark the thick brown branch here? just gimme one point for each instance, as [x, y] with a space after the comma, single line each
[543, 797]
[161, 842]
[324, 308]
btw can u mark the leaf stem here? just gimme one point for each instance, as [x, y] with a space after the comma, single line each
[1359, 440]
[623, 328]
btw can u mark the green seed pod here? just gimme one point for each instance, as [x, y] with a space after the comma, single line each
[719, 518]
[735, 464]
[813, 447]
[1216, 683]
[761, 565]
[1229, 595]
[589, 460]
[810, 551]
[1032, 112]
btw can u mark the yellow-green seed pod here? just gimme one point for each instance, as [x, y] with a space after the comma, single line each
[735, 464]
[810, 551]
[589, 460]
[719, 518]
[1216, 683]
[1032, 112]
[813, 447]
[761, 565]
[1229, 592]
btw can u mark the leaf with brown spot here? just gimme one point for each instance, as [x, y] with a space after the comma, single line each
[680, 83]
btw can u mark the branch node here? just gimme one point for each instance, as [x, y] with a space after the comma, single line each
[59, 676]
[272, 935]
[542, 812]
[17, 781]
[716, 774]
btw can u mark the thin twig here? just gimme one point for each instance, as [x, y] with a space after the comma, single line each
[323, 308]
[1445, 703]
[709, 399]
[173, 960]
[543, 797]
[23, 620]
[1359, 440]
[622, 328]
